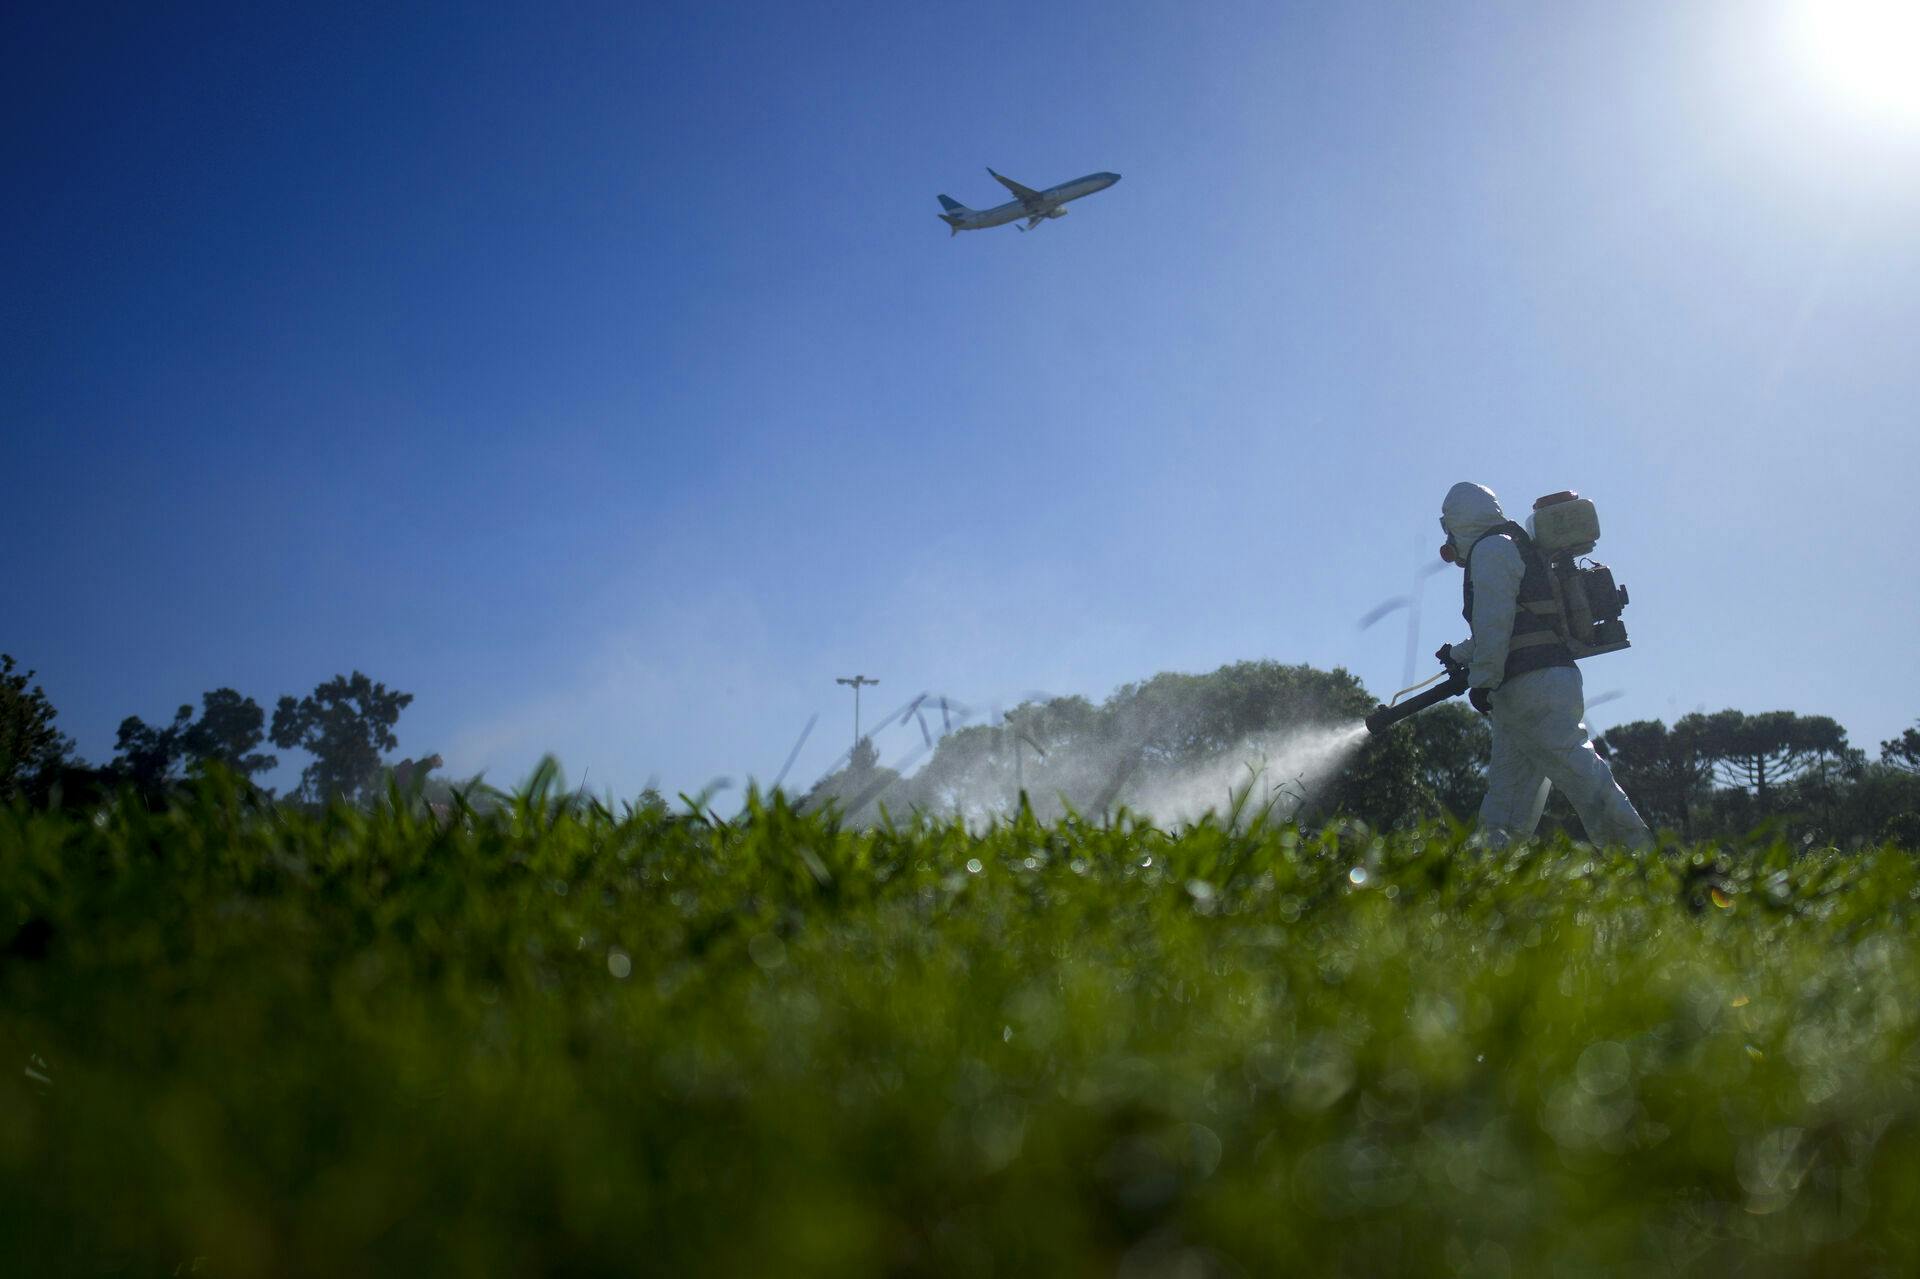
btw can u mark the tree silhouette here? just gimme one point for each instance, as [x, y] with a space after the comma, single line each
[1455, 747]
[1761, 753]
[228, 730]
[1902, 752]
[29, 743]
[145, 755]
[852, 790]
[344, 724]
[1665, 772]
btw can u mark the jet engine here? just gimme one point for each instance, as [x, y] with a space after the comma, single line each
[1057, 213]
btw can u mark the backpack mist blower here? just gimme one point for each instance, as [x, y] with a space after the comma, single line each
[1581, 599]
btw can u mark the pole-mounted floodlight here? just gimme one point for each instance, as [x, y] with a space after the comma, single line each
[856, 683]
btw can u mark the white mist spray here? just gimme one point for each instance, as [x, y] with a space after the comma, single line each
[1275, 773]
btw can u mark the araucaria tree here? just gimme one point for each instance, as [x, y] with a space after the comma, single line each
[344, 724]
[1761, 753]
[1902, 752]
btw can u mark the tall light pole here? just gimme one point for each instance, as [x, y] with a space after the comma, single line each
[856, 683]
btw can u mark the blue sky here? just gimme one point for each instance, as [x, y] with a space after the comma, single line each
[607, 381]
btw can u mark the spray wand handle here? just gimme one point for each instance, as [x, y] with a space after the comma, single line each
[1455, 683]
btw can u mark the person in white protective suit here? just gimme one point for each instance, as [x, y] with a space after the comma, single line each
[1521, 675]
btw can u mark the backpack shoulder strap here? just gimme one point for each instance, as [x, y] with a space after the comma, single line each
[1512, 530]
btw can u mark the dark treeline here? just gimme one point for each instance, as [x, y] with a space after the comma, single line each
[1251, 736]
[1724, 774]
[344, 724]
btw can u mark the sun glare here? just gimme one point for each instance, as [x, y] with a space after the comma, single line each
[1866, 51]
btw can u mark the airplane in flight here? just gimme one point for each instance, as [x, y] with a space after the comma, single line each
[1035, 206]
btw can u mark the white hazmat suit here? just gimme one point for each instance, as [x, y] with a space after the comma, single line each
[1540, 736]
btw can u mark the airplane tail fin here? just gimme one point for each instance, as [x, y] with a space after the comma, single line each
[952, 205]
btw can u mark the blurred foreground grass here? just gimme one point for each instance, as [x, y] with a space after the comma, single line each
[553, 1040]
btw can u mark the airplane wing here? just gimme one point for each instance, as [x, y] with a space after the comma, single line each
[1026, 195]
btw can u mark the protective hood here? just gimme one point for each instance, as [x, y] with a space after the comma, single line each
[1469, 511]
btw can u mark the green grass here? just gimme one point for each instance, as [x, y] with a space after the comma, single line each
[555, 1041]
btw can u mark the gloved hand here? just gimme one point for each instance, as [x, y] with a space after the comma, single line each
[1481, 699]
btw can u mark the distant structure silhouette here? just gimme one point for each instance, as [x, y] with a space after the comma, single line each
[409, 773]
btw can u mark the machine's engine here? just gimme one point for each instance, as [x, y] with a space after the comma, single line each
[1565, 528]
